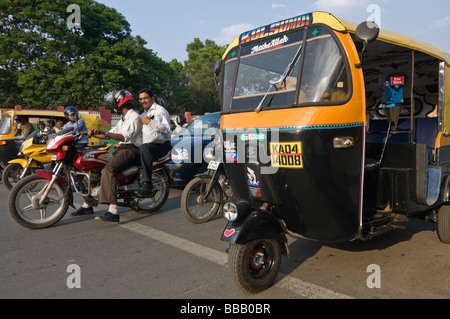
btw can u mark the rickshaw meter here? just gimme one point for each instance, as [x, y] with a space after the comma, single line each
[394, 91]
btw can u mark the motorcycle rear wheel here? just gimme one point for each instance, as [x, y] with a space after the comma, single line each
[152, 203]
[24, 206]
[195, 206]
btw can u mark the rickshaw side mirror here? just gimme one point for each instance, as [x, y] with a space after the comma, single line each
[216, 71]
[367, 32]
[217, 67]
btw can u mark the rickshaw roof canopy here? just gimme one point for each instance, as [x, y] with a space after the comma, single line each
[340, 25]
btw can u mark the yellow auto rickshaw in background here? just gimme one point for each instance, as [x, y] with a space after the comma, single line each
[332, 131]
[11, 141]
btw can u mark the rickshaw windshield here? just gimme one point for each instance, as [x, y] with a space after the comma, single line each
[5, 125]
[269, 70]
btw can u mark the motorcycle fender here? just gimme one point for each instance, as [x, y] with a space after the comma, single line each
[258, 225]
[23, 162]
[203, 175]
[42, 173]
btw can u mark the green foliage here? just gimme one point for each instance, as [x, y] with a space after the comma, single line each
[202, 58]
[44, 63]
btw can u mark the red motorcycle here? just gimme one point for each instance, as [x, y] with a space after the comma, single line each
[42, 199]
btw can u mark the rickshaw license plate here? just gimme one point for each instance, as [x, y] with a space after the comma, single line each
[53, 157]
[214, 165]
[288, 155]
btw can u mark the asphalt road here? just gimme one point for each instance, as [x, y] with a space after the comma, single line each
[164, 256]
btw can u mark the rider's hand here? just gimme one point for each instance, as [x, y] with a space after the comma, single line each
[145, 120]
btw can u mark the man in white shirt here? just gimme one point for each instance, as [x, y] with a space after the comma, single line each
[128, 132]
[157, 120]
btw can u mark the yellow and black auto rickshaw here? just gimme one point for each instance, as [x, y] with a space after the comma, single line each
[332, 131]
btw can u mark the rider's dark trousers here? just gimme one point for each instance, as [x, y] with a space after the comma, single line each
[151, 152]
[125, 156]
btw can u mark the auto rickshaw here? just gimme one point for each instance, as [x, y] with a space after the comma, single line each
[332, 131]
[10, 141]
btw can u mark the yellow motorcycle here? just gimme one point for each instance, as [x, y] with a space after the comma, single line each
[32, 155]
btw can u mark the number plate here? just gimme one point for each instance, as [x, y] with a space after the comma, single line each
[214, 165]
[53, 157]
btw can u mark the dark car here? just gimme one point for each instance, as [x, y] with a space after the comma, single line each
[188, 149]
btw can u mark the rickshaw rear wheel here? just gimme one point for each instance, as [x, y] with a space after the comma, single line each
[443, 223]
[254, 265]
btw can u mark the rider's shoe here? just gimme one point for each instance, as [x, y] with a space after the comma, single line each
[109, 217]
[83, 211]
[146, 189]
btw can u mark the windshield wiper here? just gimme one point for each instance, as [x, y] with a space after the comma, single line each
[276, 81]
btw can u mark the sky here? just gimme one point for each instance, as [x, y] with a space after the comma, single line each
[169, 25]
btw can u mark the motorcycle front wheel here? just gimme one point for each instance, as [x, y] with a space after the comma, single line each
[24, 203]
[196, 206]
[11, 175]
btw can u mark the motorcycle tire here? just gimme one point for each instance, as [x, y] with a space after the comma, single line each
[195, 206]
[152, 203]
[254, 266]
[11, 175]
[24, 207]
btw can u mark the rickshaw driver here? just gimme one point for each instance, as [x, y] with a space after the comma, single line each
[26, 127]
[308, 90]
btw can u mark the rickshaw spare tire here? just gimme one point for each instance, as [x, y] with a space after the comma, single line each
[443, 223]
[254, 266]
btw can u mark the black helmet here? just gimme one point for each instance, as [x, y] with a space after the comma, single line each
[172, 127]
[181, 119]
[71, 110]
[119, 99]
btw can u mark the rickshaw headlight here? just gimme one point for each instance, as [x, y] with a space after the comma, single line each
[235, 210]
[230, 211]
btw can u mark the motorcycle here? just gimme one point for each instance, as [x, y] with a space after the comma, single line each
[32, 156]
[42, 199]
[202, 198]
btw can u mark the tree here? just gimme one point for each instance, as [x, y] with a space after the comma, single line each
[177, 96]
[45, 63]
[202, 58]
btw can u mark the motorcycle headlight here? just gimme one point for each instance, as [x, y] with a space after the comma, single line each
[180, 154]
[209, 154]
[50, 143]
